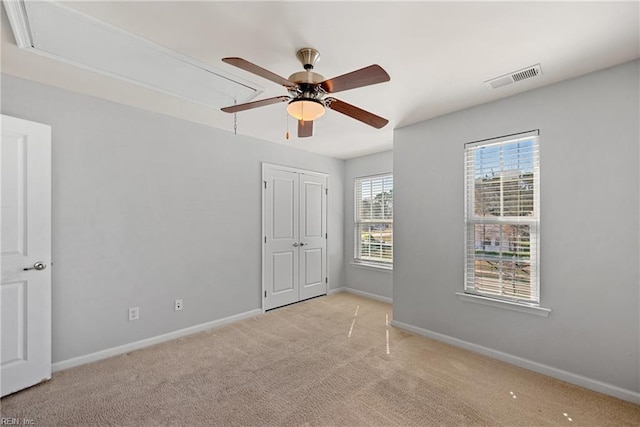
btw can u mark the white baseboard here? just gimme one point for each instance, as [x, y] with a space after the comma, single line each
[591, 384]
[361, 293]
[368, 295]
[137, 345]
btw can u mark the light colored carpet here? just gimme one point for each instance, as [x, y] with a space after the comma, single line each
[324, 361]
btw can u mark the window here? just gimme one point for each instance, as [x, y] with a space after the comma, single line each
[374, 220]
[502, 211]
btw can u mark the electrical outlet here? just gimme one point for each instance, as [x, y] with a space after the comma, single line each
[177, 306]
[134, 313]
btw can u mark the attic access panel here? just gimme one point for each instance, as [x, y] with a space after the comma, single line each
[64, 34]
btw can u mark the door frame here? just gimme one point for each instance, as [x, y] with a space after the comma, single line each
[263, 236]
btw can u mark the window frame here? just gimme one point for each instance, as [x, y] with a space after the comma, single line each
[471, 220]
[358, 222]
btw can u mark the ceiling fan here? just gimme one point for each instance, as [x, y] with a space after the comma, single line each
[307, 90]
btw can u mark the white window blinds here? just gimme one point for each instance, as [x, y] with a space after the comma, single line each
[502, 208]
[374, 219]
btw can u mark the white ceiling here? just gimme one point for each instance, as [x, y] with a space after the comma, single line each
[438, 54]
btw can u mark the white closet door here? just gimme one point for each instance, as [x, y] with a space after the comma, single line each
[295, 235]
[313, 240]
[281, 223]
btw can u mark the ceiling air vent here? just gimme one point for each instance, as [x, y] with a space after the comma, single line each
[516, 76]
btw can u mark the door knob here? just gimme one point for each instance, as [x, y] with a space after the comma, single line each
[37, 266]
[295, 245]
[302, 244]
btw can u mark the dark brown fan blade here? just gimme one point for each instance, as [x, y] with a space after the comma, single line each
[255, 104]
[259, 71]
[305, 128]
[370, 75]
[356, 113]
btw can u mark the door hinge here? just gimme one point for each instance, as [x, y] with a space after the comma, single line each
[265, 294]
[265, 185]
[326, 236]
[326, 280]
[326, 191]
[265, 239]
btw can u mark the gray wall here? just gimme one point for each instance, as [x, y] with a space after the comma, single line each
[373, 281]
[147, 209]
[589, 130]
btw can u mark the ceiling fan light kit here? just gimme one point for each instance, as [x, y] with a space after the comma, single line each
[308, 88]
[306, 109]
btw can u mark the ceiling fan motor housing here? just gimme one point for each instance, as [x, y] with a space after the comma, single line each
[307, 82]
[306, 77]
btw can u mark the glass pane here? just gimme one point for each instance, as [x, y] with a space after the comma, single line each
[502, 260]
[375, 242]
[374, 198]
[504, 179]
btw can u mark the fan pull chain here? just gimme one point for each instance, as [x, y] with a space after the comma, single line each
[235, 120]
[286, 135]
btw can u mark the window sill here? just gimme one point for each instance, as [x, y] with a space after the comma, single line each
[372, 266]
[507, 305]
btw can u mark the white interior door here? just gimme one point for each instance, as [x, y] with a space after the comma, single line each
[295, 240]
[25, 290]
[313, 237]
[281, 221]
